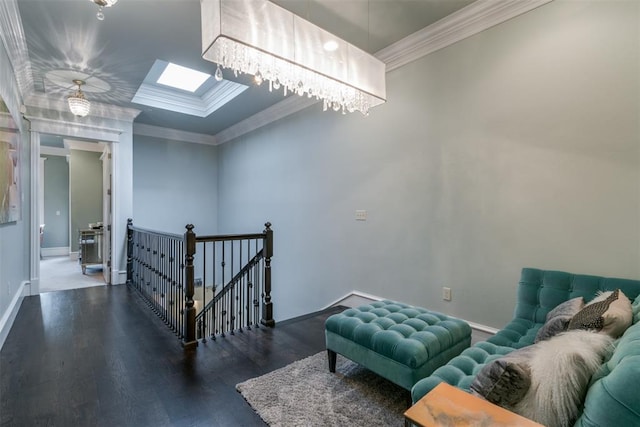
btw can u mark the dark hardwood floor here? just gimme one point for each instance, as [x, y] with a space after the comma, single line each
[99, 357]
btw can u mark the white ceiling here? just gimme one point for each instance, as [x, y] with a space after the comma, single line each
[65, 40]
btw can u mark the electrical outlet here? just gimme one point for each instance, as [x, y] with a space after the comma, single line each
[446, 294]
[361, 215]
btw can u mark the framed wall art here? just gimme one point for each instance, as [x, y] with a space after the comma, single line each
[10, 206]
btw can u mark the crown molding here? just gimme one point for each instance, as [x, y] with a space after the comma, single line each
[12, 36]
[98, 109]
[70, 128]
[221, 94]
[282, 109]
[468, 21]
[173, 134]
[200, 106]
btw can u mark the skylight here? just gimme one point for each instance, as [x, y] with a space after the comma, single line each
[180, 77]
[200, 99]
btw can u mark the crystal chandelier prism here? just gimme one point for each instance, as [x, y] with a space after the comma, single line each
[263, 39]
[78, 104]
[102, 4]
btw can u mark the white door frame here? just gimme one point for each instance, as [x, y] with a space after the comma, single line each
[107, 172]
[70, 129]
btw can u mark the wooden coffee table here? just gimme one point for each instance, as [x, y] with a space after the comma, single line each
[449, 406]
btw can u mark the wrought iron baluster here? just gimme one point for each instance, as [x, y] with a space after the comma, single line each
[203, 319]
[214, 291]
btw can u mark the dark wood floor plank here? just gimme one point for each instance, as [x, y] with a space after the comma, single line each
[99, 357]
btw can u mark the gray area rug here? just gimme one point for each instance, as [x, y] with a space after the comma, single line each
[305, 393]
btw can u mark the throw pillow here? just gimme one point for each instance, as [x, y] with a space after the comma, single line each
[504, 381]
[611, 315]
[558, 319]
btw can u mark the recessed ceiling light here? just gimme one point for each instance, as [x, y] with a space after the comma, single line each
[330, 46]
[184, 78]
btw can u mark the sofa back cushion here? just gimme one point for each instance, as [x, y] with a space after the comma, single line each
[540, 291]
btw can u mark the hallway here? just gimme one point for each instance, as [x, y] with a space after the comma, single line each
[62, 273]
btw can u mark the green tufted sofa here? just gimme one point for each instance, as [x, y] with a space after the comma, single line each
[612, 398]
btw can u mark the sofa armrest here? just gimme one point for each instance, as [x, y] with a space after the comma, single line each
[462, 369]
[612, 398]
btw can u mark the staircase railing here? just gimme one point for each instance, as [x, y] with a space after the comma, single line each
[155, 268]
[226, 306]
[183, 279]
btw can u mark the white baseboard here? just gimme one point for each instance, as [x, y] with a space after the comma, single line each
[482, 328]
[351, 299]
[62, 251]
[12, 311]
[356, 298]
[73, 256]
[118, 277]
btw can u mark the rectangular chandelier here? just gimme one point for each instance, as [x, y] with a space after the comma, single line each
[263, 39]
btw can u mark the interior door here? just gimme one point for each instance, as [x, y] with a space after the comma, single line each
[106, 213]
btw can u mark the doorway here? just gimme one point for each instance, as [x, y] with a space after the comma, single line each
[74, 213]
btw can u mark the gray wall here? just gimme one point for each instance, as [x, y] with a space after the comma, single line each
[56, 199]
[175, 184]
[85, 191]
[14, 237]
[517, 147]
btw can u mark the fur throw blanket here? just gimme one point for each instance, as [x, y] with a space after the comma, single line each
[546, 382]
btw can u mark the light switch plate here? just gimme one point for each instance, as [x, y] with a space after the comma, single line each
[361, 215]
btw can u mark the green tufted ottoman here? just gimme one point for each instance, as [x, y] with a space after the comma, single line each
[397, 341]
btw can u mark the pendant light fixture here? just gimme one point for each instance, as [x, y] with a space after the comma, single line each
[261, 38]
[78, 104]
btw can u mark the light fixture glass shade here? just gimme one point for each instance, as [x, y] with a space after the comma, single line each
[261, 38]
[78, 104]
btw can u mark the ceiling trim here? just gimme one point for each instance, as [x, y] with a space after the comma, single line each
[200, 106]
[222, 93]
[12, 35]
[277, 111]
[468, 21]
[98, 109]
[66, 128]
[173, 134]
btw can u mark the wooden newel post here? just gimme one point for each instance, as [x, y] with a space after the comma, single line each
[189, 335]
[129, 251]
[267, 305]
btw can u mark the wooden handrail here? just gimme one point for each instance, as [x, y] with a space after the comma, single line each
[160, 266]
